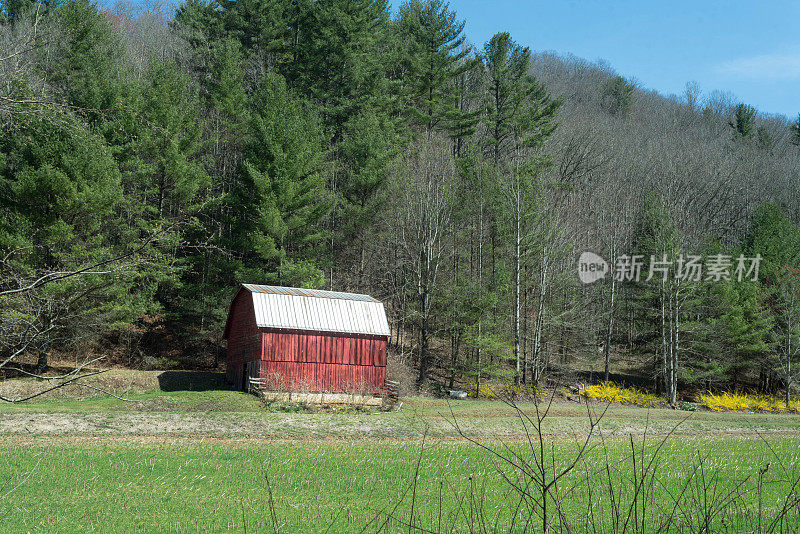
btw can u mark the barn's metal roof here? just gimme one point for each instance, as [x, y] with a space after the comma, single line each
[300, 292]
[312, 309]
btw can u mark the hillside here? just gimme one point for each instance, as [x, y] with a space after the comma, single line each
[151, 161]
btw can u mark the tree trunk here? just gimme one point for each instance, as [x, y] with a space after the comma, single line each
[41, 362]
[424, 358]
[525, 348]
[675, 345]
[539, 325]
[517, 261]
[665, 360]
[479, 355]
[610, 324]
[609, 327]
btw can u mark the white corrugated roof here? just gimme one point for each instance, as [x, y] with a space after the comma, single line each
[312, 309]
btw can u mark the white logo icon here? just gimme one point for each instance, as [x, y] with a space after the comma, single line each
[591, 267]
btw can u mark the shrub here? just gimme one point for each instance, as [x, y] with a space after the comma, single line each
[610, 392]
[748, 403]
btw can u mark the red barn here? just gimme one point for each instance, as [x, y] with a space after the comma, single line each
[306, 340]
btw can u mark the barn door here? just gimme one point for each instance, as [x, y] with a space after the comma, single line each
[251, 371]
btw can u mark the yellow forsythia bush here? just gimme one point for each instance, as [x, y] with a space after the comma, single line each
[610, 392]
[747, 403]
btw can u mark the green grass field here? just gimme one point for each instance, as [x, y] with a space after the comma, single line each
[208, 460]
[340, 486]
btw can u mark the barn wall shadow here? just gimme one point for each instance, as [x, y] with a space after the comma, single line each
[192, 381]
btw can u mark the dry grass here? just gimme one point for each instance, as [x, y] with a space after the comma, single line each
[488, 390]
[121, 382]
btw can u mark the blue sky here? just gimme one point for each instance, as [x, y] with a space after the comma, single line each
[749, 48]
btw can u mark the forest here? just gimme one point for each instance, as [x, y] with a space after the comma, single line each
[152, 159]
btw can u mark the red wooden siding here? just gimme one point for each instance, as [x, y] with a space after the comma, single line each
[244, 343]
[323, 361]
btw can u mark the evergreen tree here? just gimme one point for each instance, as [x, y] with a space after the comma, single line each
[87, 69]
[59, 185]
[262, 28]
[200, 23]
[170, 180]
[365, 153]
[734, 338]
[59, 182]
[433, 55]
[279, 202]
[86, 72]
[776, 239]
[618, 95]
[198, 297]
[336, 65]
[336, 62]
[520, 117]
[225, 86]
[795, 129]
[171, 172]
[519, 112]
[663, 297]
[787, 327]
[743, 121]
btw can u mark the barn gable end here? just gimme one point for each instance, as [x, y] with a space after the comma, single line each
[243, 335]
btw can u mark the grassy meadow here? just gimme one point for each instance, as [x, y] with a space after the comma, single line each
[210, 460]
[344, 486]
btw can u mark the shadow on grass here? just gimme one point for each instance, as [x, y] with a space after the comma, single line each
[192, 381]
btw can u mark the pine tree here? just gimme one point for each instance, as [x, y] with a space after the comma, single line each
[787, 327]
[743, 121]
[262, 28]
[519, 112]
[795, 129]
[336, 65]
[170, 183]
[618, 95]
[57, 182]
[208, 271]
[776, 239]
[365, 152]
[734, 338]
[520, 117]
[59, 186]
[433, 54]
[171, 173]
[200, 23]
[663, 298]
[336, 61]
[265, 30]
[86, 70]
[279, 202]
